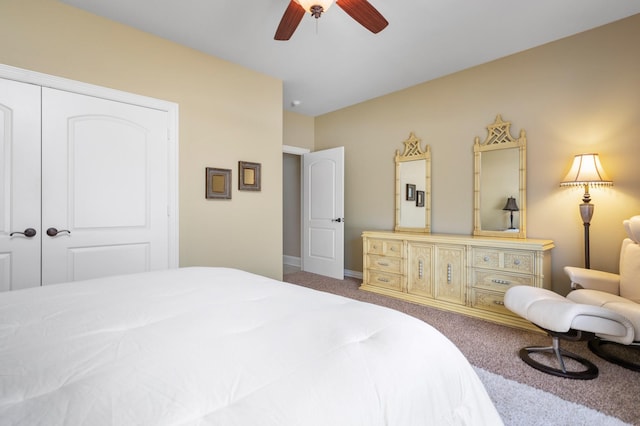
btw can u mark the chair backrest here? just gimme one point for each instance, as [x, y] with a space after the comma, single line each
[630, 261]
[632, 226]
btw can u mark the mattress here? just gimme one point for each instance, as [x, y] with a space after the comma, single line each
[219, 346]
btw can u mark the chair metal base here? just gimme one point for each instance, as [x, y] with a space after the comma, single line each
[590, 371]
[599, 347]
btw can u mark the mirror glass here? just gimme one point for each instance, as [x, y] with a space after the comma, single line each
[413, 187]
[499, 180]
[500, 173]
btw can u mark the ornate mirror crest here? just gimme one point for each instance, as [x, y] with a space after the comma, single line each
[500, 132]
[412, 150]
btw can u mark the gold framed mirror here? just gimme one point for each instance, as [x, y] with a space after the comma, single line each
[500, 171]
[413, 187]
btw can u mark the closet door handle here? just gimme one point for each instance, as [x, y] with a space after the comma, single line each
[52, 232]
[29, 232]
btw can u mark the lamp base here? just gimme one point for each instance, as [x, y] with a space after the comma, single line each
[586, 212]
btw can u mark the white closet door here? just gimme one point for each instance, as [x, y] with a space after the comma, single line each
[104, 187]
[19, 185]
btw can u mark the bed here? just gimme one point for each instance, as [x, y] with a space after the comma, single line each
[219, 346]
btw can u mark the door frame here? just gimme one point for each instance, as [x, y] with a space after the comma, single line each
[299, 152]
[171, 108]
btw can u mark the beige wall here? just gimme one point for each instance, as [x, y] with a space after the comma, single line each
[227, 114]
[298, 130]
[577, 95]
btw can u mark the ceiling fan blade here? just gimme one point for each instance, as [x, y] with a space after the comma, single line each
[290, 20]
[363, 12]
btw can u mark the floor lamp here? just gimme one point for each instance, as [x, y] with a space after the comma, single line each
[586, 170]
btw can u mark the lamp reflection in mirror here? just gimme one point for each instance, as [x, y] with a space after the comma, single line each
[586, 170]
[511, 207]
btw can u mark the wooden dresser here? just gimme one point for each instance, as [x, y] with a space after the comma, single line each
[460, 273]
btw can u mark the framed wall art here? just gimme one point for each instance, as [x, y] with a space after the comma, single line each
[419, 198]
[411, 192]
[218, 183]
[249, 176]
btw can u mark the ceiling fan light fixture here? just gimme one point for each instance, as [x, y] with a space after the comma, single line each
[315, 7]
[360, 10]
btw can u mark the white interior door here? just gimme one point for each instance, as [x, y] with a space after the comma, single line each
[19, 185]
[323, 212]
[104, 187]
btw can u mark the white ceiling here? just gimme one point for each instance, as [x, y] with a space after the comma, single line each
[334, 62]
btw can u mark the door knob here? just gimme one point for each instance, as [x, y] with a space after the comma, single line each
[337, 220]
[29, 232]
[52, 232]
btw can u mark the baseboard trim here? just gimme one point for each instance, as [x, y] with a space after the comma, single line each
[352, 274]
[297, 262]
[291, 261]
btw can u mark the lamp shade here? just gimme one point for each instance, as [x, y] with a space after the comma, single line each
[511, 205]
[586, 170]
[307, 4]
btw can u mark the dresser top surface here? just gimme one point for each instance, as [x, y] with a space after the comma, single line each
[473, 240]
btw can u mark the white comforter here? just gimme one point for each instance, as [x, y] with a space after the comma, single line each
[216, 346]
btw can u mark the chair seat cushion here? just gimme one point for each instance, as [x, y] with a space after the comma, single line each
[596, 297]
[553, 312]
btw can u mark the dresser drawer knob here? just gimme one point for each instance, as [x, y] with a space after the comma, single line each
[498, 302]
[516, 262]
[383, 280]
[500, 281]
[383, 264]
[486, 258]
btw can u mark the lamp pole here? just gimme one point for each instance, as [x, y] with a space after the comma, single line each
[586, 212]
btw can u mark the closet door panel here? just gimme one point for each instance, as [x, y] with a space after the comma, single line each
[95, 262]
[105, 187]
[19, 185]
[107, 170]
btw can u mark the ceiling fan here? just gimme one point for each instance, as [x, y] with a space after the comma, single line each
[360, 10]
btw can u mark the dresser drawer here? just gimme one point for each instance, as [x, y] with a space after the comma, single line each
[498, 280]
[519, 261]
[485, 258]
[391, 248]
[514, 260]
[386, 280]
[489, 301]
[385, 263]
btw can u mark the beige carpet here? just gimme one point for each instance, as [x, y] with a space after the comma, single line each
[493, 347]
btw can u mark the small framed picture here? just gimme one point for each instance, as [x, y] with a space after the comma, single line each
[411, 192]
[248, 176]
[419, 198]
[218, 183]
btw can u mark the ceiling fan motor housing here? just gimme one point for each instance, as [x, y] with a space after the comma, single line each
[316, 10]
